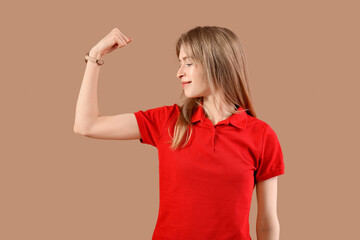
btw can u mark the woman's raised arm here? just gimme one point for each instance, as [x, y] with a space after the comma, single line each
[88, 122]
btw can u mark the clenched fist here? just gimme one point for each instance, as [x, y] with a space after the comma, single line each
[113, 40]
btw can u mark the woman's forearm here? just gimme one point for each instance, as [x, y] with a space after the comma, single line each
[87, 109]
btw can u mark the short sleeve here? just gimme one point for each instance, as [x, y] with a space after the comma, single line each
[152, 122]
[270, 162]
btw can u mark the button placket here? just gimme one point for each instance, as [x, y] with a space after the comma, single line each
[211, 141]
[213, 138]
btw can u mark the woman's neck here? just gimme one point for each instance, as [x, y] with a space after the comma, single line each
[212, 113]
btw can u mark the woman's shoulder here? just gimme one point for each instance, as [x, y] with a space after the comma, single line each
[171, 108]
[257, 124]
[164, 108]
[167, 111]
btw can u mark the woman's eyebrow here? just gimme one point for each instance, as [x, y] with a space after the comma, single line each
[184, 58]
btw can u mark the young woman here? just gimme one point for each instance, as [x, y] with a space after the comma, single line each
[212, 149]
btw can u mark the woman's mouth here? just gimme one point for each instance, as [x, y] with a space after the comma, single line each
[186, 83]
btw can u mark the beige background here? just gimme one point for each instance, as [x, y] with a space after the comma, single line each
[303, 59]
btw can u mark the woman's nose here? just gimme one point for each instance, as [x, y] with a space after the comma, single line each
[180, 73]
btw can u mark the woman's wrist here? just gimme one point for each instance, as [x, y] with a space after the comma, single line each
[95, 53]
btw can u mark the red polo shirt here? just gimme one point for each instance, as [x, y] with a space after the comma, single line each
[206, 187]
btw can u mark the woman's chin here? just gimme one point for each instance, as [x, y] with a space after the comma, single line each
[188, 95]
[191, 96]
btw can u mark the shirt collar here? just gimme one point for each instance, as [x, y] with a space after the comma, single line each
[238, 120]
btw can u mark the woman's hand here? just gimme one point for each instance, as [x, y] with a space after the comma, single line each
[113, 40]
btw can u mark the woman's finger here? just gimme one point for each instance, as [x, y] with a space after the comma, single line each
[120, 41]
[127, 40]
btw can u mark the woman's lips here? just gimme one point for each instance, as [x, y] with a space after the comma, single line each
[184, 84]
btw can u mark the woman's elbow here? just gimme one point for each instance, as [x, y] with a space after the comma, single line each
[268, 230]
[79, 130]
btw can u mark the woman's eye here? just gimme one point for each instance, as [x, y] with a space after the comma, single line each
[189, 64]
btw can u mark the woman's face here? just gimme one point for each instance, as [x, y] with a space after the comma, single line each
[190, 72]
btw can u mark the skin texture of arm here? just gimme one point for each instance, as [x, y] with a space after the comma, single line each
[87, 110]
[267, 223]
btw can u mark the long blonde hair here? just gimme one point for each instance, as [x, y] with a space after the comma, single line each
[218, 52]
